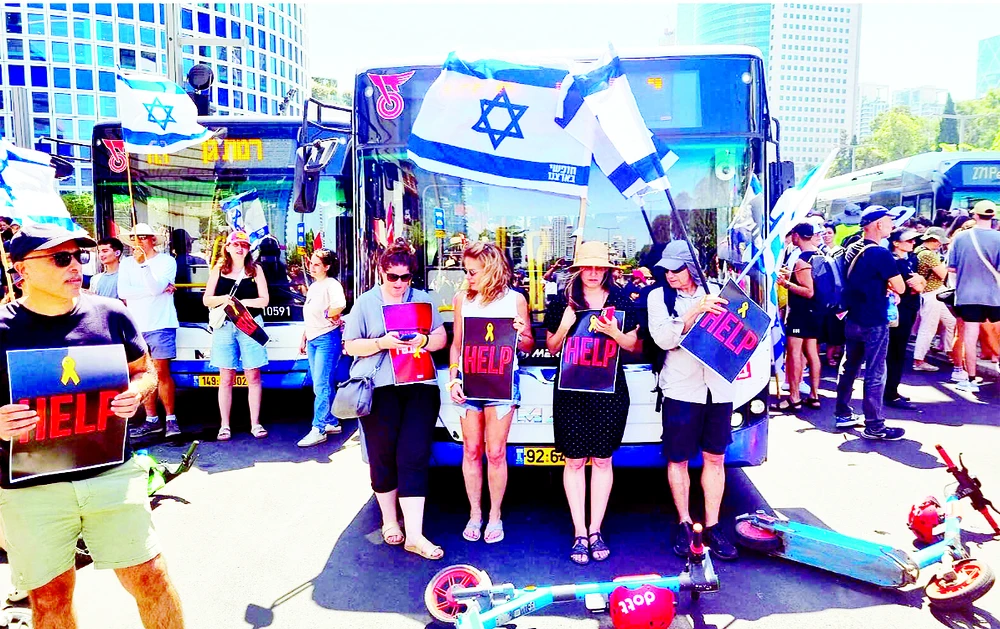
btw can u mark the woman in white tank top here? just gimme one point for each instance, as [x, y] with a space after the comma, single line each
[486, 422]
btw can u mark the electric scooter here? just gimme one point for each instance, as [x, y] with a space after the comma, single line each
[959, 579]
[466, 596]
[16, 616]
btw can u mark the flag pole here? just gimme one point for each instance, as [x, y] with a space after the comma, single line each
[131, 198]
[687, 239]
[580, 222]
[6, 274]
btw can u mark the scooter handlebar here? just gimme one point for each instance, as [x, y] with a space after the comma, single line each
[944, 457]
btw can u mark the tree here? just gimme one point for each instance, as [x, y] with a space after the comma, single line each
[327, 91]
[896, 134]
[948, 129]
[80, 208]
[982, 130]
[842, 164]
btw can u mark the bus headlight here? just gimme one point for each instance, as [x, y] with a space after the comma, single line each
[757, 407]
[737, 420]
[746, 78]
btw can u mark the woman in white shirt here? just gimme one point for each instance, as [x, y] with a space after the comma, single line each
[322, 341]
[489, 294]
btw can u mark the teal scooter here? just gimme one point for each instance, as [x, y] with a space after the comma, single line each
[959, 580]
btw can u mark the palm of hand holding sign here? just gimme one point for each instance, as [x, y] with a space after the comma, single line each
[17, 420]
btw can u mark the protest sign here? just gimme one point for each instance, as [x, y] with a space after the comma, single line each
[589, 360]
[488, 350]
[410, 365]
[71, 389]
[725, 343]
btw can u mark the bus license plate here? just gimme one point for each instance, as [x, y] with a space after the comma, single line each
[213, 381]
[540, 456]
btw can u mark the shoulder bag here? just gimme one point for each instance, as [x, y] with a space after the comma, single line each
[217, 315]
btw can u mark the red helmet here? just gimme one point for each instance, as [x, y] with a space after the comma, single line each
[646, 607]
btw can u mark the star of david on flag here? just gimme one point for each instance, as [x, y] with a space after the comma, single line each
[158, 117]
[512, 130]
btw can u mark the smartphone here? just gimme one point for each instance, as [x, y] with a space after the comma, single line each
[608, 314]
[407, 336]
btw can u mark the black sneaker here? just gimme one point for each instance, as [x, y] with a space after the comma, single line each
[885, 434]
[901, 403]
[719, 545]
[146, 429]
[682, 542]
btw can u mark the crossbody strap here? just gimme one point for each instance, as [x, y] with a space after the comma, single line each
[855, 260]
[982, 256]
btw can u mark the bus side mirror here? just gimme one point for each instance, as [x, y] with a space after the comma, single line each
[310, 161]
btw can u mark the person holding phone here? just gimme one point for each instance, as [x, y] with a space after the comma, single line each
[322, 342]
[587, 425]
[489, 294]
[399, 429]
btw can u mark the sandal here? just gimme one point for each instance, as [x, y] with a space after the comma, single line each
[580, 552]
[813, 403]
[224, 434]
[598, 546]
[494, 530]
[391, 532]
[472, 531]
[786, 405]
[427, 550]
[258, 431]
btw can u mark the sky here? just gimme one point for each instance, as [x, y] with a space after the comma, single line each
[907, 44]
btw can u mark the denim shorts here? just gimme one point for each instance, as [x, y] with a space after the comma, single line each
[162, 343]
[502, 406]
[232, 349]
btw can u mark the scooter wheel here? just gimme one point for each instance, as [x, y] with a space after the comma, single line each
[441, 605]
[753, 537]
[973, 580]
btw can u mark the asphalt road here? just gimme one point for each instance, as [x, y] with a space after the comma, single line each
[264, 534]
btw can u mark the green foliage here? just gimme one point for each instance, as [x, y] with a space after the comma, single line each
[842, 164]
[983, 131]
[326, 90]
[948, 128]
[896, 134]
[81, 208]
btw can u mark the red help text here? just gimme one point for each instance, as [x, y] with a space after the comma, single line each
[589, 352]
[730, 331]
[65, 415]
[487, 359]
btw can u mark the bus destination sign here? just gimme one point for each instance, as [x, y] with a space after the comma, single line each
[242, 153]
[981, 174]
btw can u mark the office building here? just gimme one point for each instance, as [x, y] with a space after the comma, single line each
[921, 101]
[873, 100]
[64, 56]
[988, 66]
[811, 55]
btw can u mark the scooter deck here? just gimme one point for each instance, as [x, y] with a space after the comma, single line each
[835, 552]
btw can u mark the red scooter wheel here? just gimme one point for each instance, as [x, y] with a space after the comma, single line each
[441, 605]
[753, 537]
[973, 579]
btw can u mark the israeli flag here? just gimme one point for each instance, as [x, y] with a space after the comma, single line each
[492, 121]
[28, 188]
[157, 116]
[599, 109]
[244, 212]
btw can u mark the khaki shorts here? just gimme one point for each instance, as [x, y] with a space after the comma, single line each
[110, 511]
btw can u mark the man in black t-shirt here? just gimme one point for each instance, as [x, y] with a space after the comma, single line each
[871, 274]
[106, 504]
[902, 241]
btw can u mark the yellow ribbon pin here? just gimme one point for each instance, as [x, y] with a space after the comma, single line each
[593, 323]
[489, 332]
[743, 309]
[69, 371]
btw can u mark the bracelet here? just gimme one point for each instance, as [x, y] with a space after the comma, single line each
[377, 346]
[424, 341]
[453, 382]
[454, 366]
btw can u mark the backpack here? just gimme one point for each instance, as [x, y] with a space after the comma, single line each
[828, 285]
[840, 271]
[655, 354]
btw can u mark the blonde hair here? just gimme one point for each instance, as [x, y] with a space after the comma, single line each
[496, 275]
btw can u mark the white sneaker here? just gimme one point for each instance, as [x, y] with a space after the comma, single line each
[333, 429]
[967, 385]
[17, 596]
[959, 375]
[315, 437]
[925, 367]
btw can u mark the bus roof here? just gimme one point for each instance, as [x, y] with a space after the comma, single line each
[560, 57]
[921, 165]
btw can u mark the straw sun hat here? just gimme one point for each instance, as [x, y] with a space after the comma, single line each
[592, 253]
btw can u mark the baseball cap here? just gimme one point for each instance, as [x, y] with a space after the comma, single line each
[903, 233]
[676, 255]
[238, 236]
[806, 229]
[936, 233]
[646, 607]
[986, 209]
[44, 236]
[872, 213]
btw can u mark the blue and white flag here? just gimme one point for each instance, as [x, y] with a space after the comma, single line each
[158, 117]
[492, 121]
[28, 188]
[600, 110]
[244, 212]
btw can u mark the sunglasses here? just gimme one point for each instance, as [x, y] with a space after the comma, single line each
[405, 277]
[677, 270]
[64, 258]
[240, 245]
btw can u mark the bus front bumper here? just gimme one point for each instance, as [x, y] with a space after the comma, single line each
[277, 374]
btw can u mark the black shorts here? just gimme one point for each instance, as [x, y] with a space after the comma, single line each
[975, 313]
[803, 325]
[690, 428]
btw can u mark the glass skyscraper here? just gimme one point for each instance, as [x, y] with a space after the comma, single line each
[988, 66]
[65, 55]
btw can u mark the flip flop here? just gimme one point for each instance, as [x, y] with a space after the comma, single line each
[427, 550]
[258, 431]
[496, 530]
[786, 405]
[472, 532]
[224, 434]
[392, 530]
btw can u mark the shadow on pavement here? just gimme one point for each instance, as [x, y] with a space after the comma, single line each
[905, 451]
[972, 618]
[363, 574]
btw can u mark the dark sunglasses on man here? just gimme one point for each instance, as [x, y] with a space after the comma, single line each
[63, 259]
